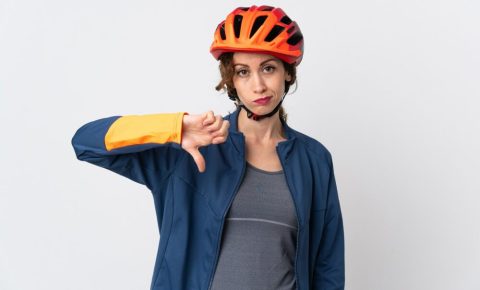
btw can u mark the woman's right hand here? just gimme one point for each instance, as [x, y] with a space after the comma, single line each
[202, 130]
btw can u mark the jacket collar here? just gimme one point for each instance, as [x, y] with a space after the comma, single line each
[238, 139]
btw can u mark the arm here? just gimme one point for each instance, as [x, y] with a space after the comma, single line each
[329, 272]
[129, 145]
[145, 148]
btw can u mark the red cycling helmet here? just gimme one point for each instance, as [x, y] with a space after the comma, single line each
[259, 29]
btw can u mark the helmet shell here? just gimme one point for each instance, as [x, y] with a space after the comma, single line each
[262, 29]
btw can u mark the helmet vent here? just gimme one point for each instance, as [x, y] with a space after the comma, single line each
[222, 32]
[276, 30]
[243, 8]
[256, 25]
[237, 23]
[295, 38]
[267, 8]
[285, 19]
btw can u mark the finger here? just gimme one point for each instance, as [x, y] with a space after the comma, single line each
[223, 131]
[198, 158]
[209, 118]
[215, 126]
[218, 140]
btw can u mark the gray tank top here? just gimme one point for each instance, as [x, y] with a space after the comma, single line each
[259, 236]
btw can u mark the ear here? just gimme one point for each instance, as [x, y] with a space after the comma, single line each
[288, 77]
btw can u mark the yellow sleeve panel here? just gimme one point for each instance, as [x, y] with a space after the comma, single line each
[141, 129]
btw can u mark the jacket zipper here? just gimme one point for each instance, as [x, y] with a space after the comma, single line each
[296, 212]
[223, 222]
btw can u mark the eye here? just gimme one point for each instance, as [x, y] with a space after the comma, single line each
[269, 68]
[241, 72]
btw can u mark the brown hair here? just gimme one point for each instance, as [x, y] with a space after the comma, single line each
[227, 72]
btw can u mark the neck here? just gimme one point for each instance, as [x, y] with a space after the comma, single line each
[267, 129]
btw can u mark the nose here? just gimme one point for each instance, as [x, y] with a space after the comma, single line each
[258, 83]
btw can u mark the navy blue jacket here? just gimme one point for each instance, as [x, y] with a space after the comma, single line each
[191, 206]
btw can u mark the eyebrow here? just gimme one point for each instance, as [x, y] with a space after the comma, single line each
[265, 61]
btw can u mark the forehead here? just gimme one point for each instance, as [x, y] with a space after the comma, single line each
[252, 58]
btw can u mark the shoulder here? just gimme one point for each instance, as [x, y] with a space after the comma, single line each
[313, 147]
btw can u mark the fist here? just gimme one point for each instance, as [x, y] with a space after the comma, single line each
[202, 130]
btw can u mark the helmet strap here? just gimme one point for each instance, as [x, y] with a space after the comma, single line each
[255, 117]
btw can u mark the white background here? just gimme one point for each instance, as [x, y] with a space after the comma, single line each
[391, 88]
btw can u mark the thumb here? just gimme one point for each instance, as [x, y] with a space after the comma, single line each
[198, 158]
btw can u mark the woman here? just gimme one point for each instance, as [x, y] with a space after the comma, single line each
[262, 210]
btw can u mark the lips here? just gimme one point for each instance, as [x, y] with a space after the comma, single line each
[263, 101]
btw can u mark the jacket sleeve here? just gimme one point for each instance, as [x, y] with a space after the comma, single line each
[329, 271]
[142, 148]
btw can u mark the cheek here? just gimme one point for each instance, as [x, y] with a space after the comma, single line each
[239, 85]
[280, 86]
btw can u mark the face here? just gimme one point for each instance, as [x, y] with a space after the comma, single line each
[259, 80]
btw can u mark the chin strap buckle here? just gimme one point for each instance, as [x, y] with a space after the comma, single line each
[252, 115]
